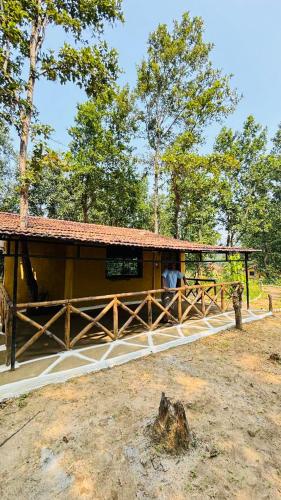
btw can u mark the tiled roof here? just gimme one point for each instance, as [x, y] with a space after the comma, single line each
[79, 232]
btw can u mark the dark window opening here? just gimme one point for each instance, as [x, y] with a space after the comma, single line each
[123, 262]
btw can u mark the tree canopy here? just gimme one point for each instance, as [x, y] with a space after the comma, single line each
[24, 28]
[135, 155]
[180, 92]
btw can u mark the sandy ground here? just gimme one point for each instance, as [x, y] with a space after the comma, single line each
[89, 440]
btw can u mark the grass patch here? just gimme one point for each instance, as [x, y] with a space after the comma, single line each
[22, 400]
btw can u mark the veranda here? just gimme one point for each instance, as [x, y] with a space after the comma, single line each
[35, 328]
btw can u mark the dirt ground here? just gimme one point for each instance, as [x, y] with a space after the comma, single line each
[88, 440]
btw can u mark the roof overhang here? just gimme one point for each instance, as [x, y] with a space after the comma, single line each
[42, 229]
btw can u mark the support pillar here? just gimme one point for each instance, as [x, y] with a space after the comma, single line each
[14, 319]
[247, 280]
[69, 272]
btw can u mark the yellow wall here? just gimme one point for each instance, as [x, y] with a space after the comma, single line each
[69, 278]
[89, 276]
[50, 273]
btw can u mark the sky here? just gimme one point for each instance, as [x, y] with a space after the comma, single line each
[247, 38]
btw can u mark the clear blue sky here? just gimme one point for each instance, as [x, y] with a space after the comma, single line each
[247, 38]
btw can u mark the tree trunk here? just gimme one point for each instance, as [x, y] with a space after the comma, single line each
[237, 306]
[230, 238]
[35, 42]
[171, 429]
[85, 210]
[156, 215]
[177, 204]
[27, 267]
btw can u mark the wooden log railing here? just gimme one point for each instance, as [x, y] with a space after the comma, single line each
[111, 315]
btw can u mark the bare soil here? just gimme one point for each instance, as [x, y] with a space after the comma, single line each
[89, 439]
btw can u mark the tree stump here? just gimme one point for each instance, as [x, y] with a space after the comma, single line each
[170, 429]
[237, 306]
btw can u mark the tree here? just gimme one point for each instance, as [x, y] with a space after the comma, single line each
[264, 213]
[23, 29]
[241, 184]
[250, 202]
[107, 188]
[194, 185]
[8, 197]
[180, 92]
[50, 186]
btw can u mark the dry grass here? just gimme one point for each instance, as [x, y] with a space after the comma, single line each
[89, 440]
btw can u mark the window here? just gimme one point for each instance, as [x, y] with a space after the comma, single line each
[123, 262]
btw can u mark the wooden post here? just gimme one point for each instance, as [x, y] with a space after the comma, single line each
[237, 306]
[247, 280]
[179, 305]
[115, 318]
[270, 304]
[14, 319]
[222, 299]
[8, 333]
[149, 311]
[67, 326]
[203, 302]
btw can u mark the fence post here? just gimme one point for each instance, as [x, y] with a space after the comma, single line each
[237, 306]
[149, 311]
[222, 299]
[67, 326]
[270, 304]
[115, 318]
[179, 306]
[203, 302]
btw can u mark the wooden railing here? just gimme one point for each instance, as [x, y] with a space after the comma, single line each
[116, 313]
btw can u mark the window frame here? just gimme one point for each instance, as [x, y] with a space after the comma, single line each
[124, 255]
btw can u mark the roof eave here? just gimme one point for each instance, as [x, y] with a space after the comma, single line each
[18, 235]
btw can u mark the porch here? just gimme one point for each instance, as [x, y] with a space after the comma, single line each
[55, 368]
[97, 284]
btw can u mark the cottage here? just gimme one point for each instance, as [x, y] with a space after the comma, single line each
[57, 272]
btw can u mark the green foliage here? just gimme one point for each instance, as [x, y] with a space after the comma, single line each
[23, 61]
[236, 189]
[93, 67]
[178, 86]
[96, 179]
[180, 92]
[233, 270]
[107, 188]
[8, 198]
[242, 184]
[249, 204]
[194, 182]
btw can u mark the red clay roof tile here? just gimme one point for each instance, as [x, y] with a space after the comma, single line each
[79, 232]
